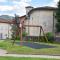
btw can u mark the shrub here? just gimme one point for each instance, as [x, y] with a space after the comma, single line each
[24, 34]
[17, 38]
[50, 36]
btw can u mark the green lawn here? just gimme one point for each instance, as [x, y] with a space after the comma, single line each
[27, 50]
[15, 58]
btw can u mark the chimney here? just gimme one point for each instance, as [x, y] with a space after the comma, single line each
[28, 8]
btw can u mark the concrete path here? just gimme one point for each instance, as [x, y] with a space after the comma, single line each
[35, 56]
[4, 53]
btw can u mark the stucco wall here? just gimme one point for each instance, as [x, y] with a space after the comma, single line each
[5, 31]
[43, 18]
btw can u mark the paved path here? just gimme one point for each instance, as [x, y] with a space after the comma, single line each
[35, 56]
[3, 53]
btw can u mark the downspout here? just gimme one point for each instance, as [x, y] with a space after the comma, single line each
[54, 24]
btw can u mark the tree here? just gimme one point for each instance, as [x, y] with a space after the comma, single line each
[14, 31]
[15, 28]
[58, 17]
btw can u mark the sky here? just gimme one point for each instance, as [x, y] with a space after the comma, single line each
[11, 7]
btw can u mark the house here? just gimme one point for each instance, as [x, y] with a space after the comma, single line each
[6, 25]
[41, 16]
[5, 29]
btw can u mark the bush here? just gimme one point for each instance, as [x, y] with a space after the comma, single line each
[24, 34]
[50, 36]
[17, 38]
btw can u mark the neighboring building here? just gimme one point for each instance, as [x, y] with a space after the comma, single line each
[22, 19]
[42, 16]
[5, 29]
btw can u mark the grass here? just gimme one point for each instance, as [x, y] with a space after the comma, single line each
[15, 58]
[7, 45]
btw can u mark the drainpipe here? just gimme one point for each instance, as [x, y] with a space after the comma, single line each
[54, 24]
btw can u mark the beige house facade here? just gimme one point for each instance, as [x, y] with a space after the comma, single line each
[5, 31]
[41, 16]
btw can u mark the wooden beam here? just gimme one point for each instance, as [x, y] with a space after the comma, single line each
[32, 25]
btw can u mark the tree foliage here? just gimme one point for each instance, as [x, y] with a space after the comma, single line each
[14, 31]
[58, 17]
[15, 28]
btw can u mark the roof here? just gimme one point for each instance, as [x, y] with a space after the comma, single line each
[29, 7]
[22, 16]
[42, 8]
[6, 21]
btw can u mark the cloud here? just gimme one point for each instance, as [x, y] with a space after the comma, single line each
[3, 0]
[25, 0]
[7, 14]
[6, 8]
[20, 6]
[53, 3]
